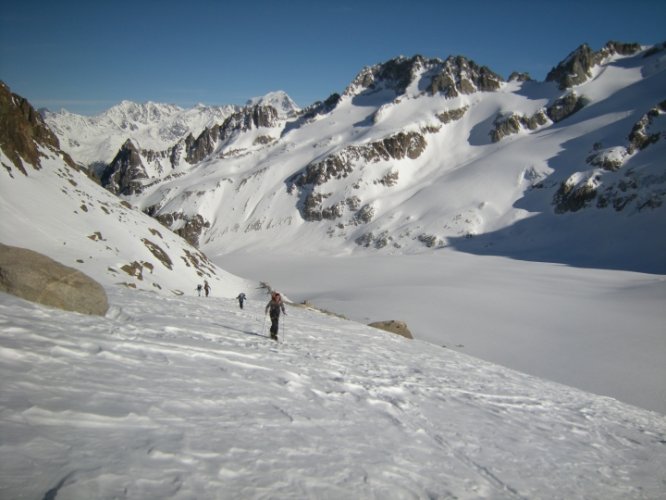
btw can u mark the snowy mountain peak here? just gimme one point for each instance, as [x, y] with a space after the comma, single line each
[153, 126]
[370, 169]
[144, 113]
[24, 136]
[279, 100]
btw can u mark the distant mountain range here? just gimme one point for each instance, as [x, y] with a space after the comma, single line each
[96, 140]
[52, 206]
[416, 154]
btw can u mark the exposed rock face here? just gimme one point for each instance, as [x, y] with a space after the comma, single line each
[393, 326]
[124, 175]
[452, 77]
[572, 195]
[514, 123]
[188, 228]
[636, 188]
[248, 119]
[565, 106]
[395, 74]
[35, 277]
[22, 131]
[520, 77]
[340, 165]
[452, 115]
[460, 75]
[640, 136]
[577, 67]
[372, 240]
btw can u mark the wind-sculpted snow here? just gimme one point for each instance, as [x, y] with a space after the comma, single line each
[184, 398]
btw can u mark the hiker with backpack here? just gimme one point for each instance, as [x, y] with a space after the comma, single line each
[241, 298]
[206, 287]
[273, 308]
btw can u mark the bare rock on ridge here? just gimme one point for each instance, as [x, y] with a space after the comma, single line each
[35, 277]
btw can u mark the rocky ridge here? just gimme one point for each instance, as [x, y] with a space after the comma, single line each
[128, 171]
[77, 222]
[23, 133]
[452, 77]
[577, 67]
[95, 140]
[342, 174]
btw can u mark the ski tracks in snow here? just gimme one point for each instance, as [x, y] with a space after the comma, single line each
[187, 398]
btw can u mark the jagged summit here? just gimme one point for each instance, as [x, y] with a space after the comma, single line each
[576, 68]
[422, 153]
[24, 136]
[454, 76]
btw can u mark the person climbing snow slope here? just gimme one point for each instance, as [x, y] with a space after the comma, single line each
[273, 308]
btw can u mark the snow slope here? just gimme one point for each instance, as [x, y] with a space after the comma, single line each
[599, 330]
[60, 212]
[181, 398]
[393, 166]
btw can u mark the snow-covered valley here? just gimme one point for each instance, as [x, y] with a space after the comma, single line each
[183, 398]
[599, 330]
[518, 227]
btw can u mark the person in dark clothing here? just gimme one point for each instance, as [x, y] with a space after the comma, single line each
[206, 288]
[273, 308]
[241, 298]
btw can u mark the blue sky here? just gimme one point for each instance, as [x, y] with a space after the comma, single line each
[86, 56]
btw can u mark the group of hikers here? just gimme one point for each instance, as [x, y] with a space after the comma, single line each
[274, 307]
[205, 288]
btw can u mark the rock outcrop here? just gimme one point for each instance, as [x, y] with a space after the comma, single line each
[459, 75]
[565, 106]
[188, 228]
[126, 173]
[340, 165]
[454, 76]
[23, 131]
[513, 123]
[393, 326]
[35, 277]
[577, 67]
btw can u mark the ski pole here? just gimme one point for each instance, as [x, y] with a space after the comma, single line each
[263, 328]
[284, 334]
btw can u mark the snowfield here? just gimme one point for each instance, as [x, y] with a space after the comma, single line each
[182, 397]
[598, 330]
